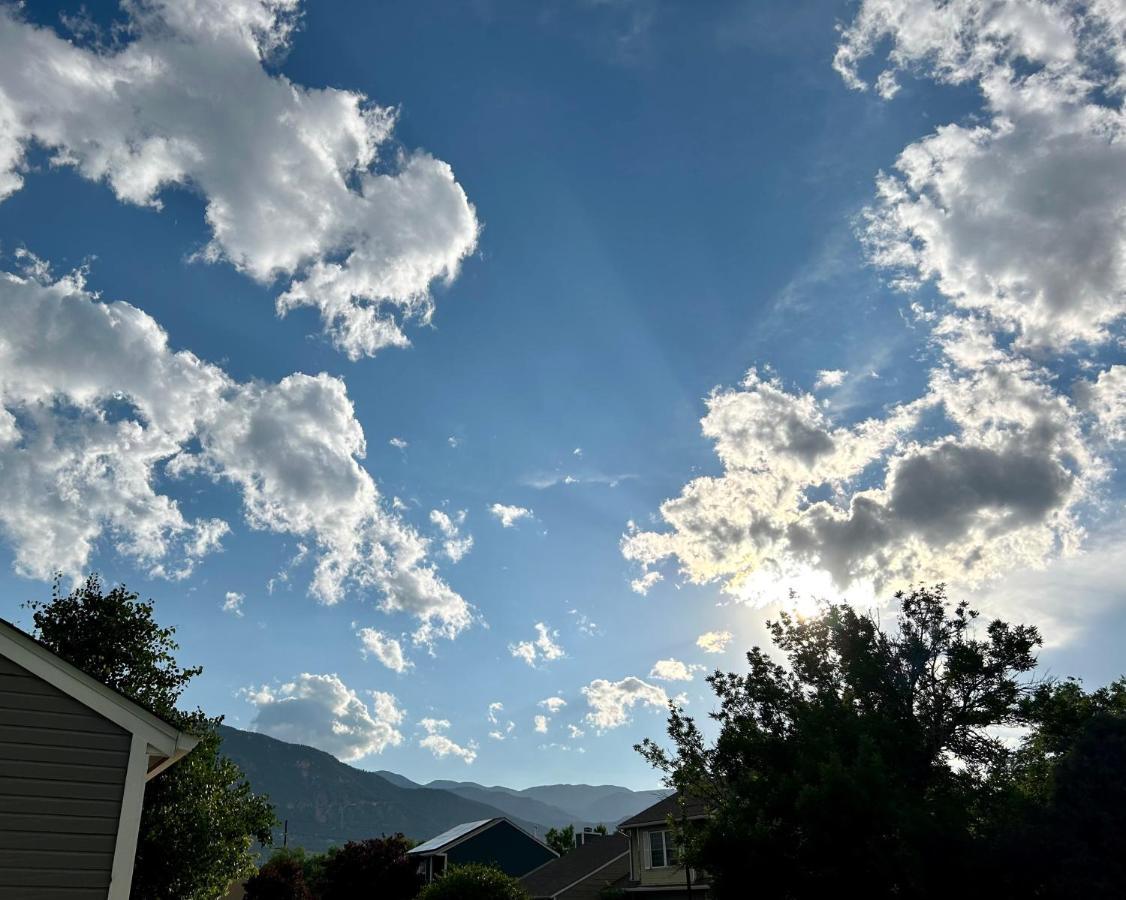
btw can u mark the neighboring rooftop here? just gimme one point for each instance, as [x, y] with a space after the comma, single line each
[597, 855]
[659, 812]
[448, 837]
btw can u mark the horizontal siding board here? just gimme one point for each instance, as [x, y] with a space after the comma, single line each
[60, 737]
[16, 786]
[24, 684]
[43, 824]
[67, 706]
[60, 806]
[68, 721]
[53, 860]
[12, 878]
[59, 771]
[37, 753]
[45, 839]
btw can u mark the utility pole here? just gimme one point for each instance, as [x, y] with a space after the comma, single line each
[285, 834]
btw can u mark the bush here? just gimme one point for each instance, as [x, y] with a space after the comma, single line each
[474, 882]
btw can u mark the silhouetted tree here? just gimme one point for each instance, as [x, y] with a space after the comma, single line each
[865, 765]
[200, 818]
[282, 877]
[359, 867]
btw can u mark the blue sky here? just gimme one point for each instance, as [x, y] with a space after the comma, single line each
[647, 200]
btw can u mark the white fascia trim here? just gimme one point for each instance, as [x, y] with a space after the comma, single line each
[164, 738]
[129, 820]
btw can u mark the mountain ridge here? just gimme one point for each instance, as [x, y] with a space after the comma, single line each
[328, 802]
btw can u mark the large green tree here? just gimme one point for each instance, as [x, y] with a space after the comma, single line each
[200, 818]
[863, 765]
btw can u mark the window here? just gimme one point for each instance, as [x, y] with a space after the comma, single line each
[662, 851]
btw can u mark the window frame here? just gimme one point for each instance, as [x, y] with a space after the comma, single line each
[670, 852]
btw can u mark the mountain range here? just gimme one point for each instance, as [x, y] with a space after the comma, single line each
[328, 802]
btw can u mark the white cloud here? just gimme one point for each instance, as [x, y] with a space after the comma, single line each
[611, 701]
[398, 443]
[542, 649]
[440, 745]
[646, 581]
[320, 710]
[714, 641]
[98, 411]
[575, 732]
[454, 544]
[1016, 218]
[578, 451]
[495, 709]
[306, 184]
[232, 603]
[999, 488]
[1020, 216]
[584, 623]
[509, 515]
[829, 378]
[384, 648]
[674, 670]
[553, 704]
[540, 724]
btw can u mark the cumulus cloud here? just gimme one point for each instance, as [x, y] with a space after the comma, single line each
[610, 702]
[674, 670]
[232, 603]
[442, 746]
[542, 649]
[320, 710]
[384, 648]
[509, 515]
[97, 411]
[398, 443]
[540, 724]
[829, 378]
[553, 704]
[1018, 216]
[302, 184]
[1016, 219]
[714, 641]
[454, 544]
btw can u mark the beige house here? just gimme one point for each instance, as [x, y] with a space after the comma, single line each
[74, 759]
[655, 867]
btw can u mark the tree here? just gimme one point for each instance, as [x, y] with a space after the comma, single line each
[351, 871]
[200, 817]
[864, 765]
[474, 882]
[282, 877]
[561, 840]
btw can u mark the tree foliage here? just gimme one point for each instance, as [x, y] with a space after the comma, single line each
[281, 877]
[200, 818]
[474, 882]
[872, 761]
[351, 871]
[561, 840]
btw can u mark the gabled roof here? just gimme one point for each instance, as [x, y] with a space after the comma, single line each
[673, 805]
[448, 837]
[454, 836]
[166, 743]
[597, 856]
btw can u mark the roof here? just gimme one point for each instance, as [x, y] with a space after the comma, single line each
[659, 812]
[597, 855]
[448, 839]
[165, 741]
[435, 844]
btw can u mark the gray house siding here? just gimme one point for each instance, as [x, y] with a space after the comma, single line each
[62, 776]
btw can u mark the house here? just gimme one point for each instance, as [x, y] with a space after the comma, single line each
[497, 842]
[74, 758]
[655, 869]
[597, 862]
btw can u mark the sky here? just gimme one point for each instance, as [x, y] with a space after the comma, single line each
[466, 381]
